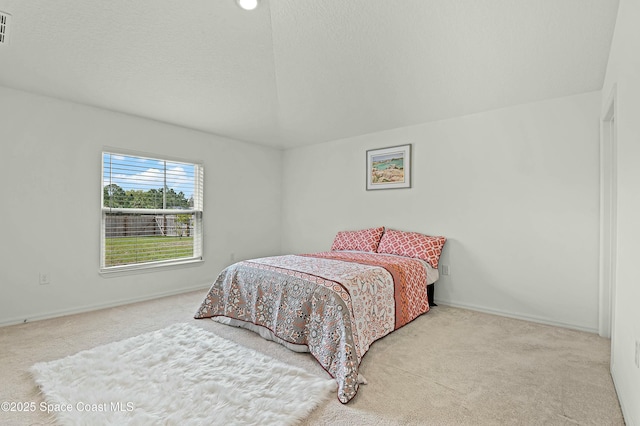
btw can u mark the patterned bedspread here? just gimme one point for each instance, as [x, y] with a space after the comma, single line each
[336, 303]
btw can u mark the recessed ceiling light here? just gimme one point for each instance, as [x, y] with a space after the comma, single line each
[247, 4]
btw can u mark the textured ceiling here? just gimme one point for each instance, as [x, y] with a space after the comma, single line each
[297, 72]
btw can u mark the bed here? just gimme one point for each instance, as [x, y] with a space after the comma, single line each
[332, 304]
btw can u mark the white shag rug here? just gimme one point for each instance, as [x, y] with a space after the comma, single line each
[180, 375]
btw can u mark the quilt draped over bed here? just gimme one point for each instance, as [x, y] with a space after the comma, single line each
[336, 303]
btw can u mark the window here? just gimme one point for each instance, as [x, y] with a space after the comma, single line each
[151, 212]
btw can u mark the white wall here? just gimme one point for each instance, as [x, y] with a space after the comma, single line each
[515, 190]
[623, 71]
[50, 164]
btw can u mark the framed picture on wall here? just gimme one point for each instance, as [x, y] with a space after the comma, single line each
[389, 168]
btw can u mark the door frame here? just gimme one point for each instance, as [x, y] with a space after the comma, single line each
[608, 216]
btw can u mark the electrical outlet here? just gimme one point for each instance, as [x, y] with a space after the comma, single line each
[45, 278]
[445, 269]
[637, 353]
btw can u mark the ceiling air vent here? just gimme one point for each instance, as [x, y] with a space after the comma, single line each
[5, 20]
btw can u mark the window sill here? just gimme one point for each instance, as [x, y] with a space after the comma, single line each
[140, 268]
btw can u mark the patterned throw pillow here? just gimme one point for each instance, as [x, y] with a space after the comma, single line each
[412, 244]
[364, 240]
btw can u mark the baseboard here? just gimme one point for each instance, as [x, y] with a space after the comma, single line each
[98, 306]
[516, 315]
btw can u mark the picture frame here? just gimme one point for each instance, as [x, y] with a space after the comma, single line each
[389, 168]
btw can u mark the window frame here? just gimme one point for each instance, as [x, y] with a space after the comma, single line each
[197, 211]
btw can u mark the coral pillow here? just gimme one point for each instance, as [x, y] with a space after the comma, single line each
[364, 240]
[412, 244]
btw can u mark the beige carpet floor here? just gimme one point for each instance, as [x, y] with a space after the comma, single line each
[448, 367]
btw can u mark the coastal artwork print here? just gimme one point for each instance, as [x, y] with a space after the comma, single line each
[389, 168]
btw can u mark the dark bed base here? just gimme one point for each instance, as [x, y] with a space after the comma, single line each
[430, 295]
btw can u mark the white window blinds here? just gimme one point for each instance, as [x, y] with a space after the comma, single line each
[151, 211]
